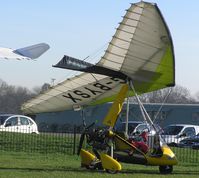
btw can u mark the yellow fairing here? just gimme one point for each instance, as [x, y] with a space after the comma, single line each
[122, 144]
[116, 107]
[86, 157]
[168, 158]
[110, 163]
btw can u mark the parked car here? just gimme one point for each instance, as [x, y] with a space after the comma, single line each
[191, 142]
[17, 123]
[174, 133]
[137, 127]
[132, 125]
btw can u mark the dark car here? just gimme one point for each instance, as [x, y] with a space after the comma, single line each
[191, 142]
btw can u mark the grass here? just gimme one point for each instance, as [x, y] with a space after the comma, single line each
[36, 165]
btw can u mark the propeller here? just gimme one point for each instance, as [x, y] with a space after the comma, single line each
[82, 137]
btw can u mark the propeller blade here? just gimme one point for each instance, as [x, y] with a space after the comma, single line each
[81, 143]
[83, 137]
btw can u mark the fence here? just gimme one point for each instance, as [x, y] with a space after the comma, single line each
[44, 142]
[66, 143]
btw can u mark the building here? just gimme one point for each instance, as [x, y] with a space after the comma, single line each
[169, 114]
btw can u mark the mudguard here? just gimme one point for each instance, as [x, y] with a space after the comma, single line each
[167, 158]
[109, 163]
[86, 157]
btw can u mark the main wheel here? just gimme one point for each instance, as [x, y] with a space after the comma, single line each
[96, 165]
[165, 169]
[112, 171]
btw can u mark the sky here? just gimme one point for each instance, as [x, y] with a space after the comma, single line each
[83, 28]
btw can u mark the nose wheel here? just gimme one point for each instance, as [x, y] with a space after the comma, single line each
[165, 169]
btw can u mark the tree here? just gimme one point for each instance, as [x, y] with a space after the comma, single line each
[197, 97]
[36, 90]
[12, 97]
[45, 87]
[177, 94]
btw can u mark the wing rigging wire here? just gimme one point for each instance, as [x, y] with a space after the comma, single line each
[163, 103]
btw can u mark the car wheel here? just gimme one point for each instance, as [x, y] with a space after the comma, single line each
[172, 144]
[166, 169]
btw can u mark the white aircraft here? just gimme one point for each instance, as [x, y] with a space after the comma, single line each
[29, 52]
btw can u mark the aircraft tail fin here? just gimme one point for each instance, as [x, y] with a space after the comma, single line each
[33, 51]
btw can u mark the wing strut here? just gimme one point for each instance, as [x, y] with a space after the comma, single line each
[142, 108]
[127, 115]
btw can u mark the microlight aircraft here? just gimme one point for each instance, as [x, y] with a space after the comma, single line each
[29, 52]
[139, 59]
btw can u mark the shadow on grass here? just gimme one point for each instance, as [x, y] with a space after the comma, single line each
[65, 169]
[143, 171]
[82, 170]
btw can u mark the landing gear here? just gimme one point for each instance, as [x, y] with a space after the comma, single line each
[93, 165]
[166, 169]
[96, 165]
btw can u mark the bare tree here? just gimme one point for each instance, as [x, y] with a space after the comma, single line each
[36, 90]
[197, 97]
[39, 89]
[12, 97]
[177, 94]
[45, 87]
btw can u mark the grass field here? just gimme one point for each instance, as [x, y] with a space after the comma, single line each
[35, 165]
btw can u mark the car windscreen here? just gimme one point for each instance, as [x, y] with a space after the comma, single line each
[172, 130]
[142, 127]
[131, 127]
[149, 128]
[2, 119]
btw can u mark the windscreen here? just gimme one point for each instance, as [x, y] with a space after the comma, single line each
[172, 130]
[131, 127]
[2, 119]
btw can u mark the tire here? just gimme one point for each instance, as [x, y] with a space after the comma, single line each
[84, 165]
[90, 167]
[172, 144]
[111, 171]
[166, 169]
[87, 167]
[96, 165]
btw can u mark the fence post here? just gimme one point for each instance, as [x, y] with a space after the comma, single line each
[74, 140]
